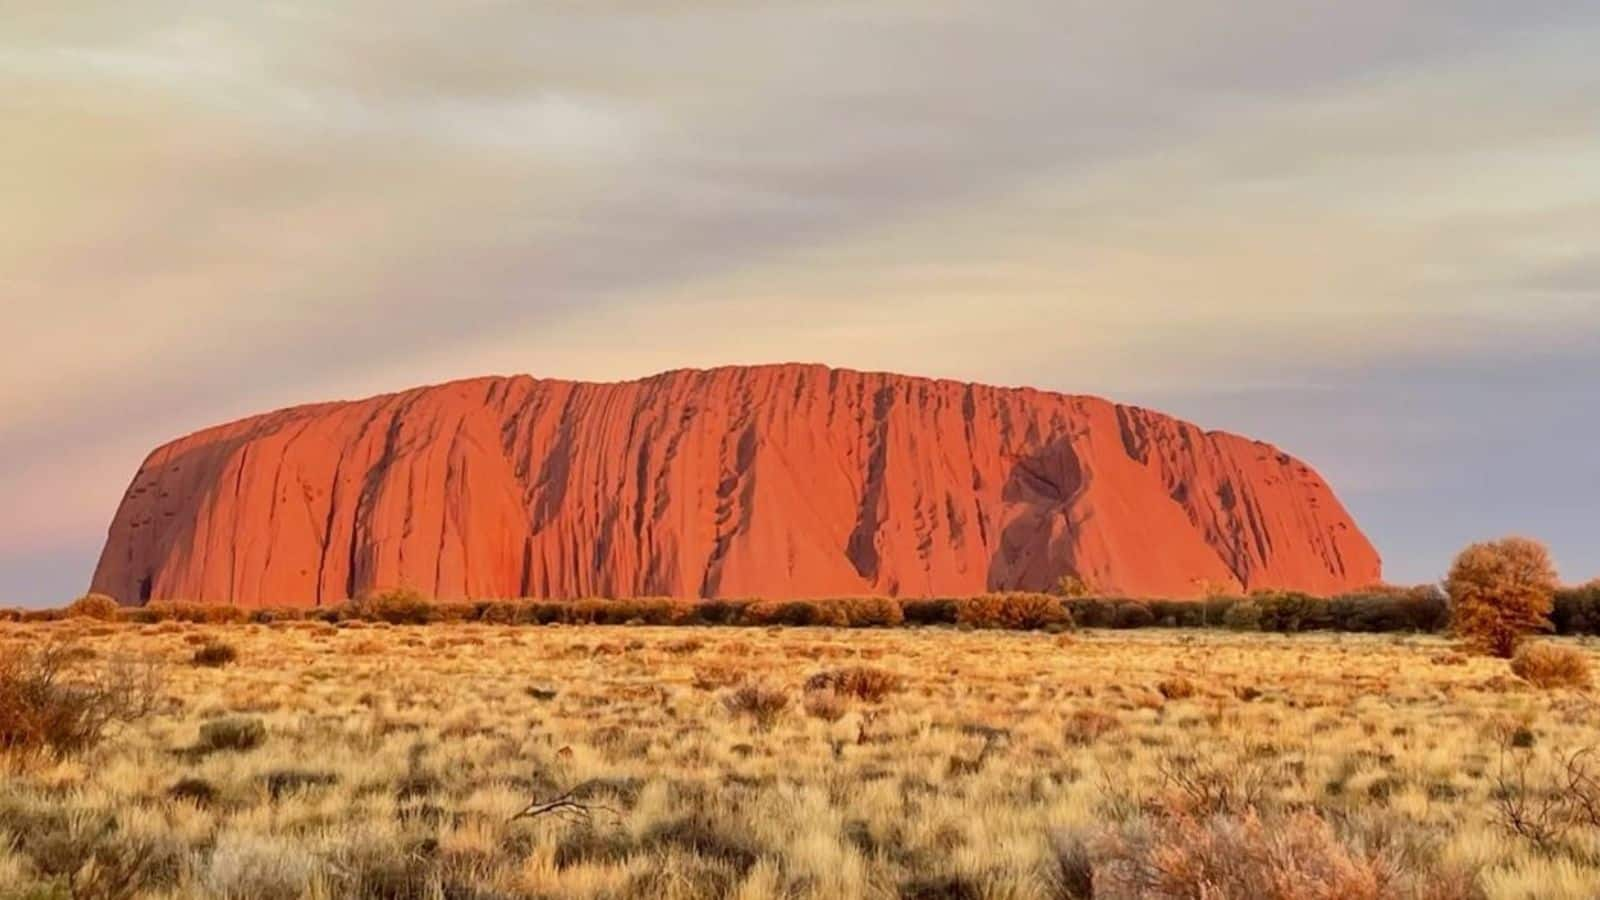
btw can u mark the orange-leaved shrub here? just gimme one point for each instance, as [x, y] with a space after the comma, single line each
[862, 682]
[93, 606]
[791, 612]
[396, 606]
[1549, 665]
[1017, 610]
[760, 702]
[837, 612]
[1297, 857]
[1500, 592]
[871, 612]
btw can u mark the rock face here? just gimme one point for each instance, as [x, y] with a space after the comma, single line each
[772, 481]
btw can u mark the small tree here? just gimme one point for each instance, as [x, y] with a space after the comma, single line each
[1500, 592]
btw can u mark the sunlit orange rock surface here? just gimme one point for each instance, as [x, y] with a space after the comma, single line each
[771, 481]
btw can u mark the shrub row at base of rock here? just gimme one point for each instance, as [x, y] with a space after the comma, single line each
[1422, 609]
[1385, 609]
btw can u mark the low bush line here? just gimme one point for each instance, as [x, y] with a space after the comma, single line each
[1423, 609]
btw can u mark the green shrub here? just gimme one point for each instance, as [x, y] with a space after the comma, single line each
[932, 611]
[657, 610]
[1376, 609]
[1213, 610]
[1244, 615]
[1093, 612]
[1385, 608]
[1132, 614]
[1290, 612]
[1186, 613]
[1577, 609]
[716, 612]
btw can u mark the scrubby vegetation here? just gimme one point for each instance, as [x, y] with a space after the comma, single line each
[94, 606]
[1550, 665]
[60, 698]
[232, 733]
[1496, 594]
[215, 654]
[1381, 609]
[356, 758]
[1576, 610]
[1500, 592]
[1020, 611]
[861, 682]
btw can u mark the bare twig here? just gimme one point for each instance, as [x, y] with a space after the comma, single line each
[1537, 816]
[565, 805]
[1582, 787]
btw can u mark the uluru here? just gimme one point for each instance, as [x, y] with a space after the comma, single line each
[783, 481]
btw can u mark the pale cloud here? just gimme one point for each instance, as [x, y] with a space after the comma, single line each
[213, 209]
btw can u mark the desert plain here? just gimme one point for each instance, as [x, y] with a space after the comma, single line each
[483, 761]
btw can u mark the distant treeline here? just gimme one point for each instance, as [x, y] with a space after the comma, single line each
[1382, 609]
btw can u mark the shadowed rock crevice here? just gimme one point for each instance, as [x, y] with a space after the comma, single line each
[862, 549]
[1040, 497]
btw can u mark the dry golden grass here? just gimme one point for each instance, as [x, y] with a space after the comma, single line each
[394, 762]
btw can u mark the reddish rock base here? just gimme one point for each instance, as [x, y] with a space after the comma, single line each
[771, 481]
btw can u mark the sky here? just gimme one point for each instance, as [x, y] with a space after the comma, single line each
[1366, 231]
